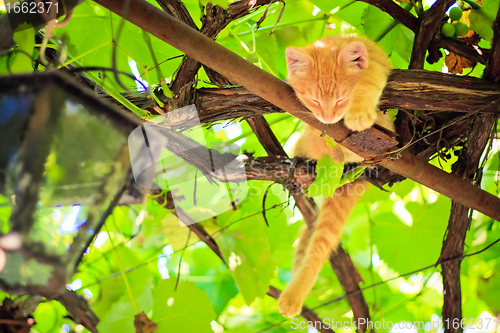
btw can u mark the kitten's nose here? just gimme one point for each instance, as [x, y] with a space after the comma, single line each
[328, 118]
[330, 115]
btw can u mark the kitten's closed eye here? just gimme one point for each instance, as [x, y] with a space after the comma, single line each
[326, 73]
[341, 101]
[315, 101]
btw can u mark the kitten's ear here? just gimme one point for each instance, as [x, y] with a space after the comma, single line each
[297, 61]
[354, 54]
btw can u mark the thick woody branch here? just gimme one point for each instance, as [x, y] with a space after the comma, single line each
[433, 91]
[182, 85]
[261, 83]
[178, 10]
[467, 167]
[295, 174]
[428, 26]
[396, 11]
[266, 137]
[475, 53]
[199, 231]
[406, 89]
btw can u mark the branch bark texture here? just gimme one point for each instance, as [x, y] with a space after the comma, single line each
[468, 167]
[406, 89]
[429, 24]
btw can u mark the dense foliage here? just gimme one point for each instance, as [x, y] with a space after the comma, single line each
[134, 263]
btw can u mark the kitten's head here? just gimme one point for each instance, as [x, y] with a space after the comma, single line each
[324, 74]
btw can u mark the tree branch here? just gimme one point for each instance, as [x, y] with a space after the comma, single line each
[425, 30]
[396, 11]
[429, 25]
[406, 89]
[467, 167]
[182, 84]
[465, 50]
[266, 137]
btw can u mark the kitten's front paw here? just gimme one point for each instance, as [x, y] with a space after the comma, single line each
[290, 303]
[360, 121]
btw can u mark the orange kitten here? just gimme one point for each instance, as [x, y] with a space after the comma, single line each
[336, 78]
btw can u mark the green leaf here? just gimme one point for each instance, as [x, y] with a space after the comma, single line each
[120, 317]
[405, 248]
[267, 48]
[324, 5]
[48, 317]
[481, 20]
[375, 22]
[245, 248]
[90, 36]
[328, 174]
[494, 162]
[25, 40]
[285, 37]
[389, 34]
[219, 285]
[349, 12]
[123, 218]
[184, 310]
[113, 290]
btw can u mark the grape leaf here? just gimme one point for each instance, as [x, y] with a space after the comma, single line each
[481, 20]
[222, 288]
[390, 35]
[406, 248]
[115, 289]
[48, 317]
[90, 35]
[186, 309]
[245, 248]
[120, 317]
[328, 174]
[25, 40]
[349, 12]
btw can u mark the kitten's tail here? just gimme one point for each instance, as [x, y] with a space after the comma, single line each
[325, 238]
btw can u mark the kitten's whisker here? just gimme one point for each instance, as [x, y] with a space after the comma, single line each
[305, 112]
